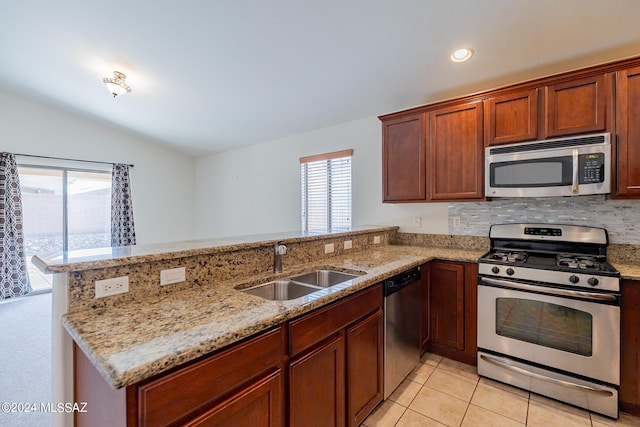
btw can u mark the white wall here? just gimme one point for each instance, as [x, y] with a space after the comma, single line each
[162, 180]
[256, 189]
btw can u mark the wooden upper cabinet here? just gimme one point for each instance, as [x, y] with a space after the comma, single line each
[511, 118]
[628, 133]
[575, 107]
[456, 152]
[404, 159]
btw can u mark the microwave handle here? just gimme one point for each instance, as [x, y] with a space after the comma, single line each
[576, 173]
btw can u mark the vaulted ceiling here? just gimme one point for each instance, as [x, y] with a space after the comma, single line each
[209, 76]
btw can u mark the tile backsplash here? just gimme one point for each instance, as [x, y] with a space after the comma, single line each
[620, 217]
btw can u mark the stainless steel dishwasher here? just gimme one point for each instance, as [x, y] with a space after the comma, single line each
[401, 327]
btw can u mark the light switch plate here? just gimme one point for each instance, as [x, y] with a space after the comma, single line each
[328, 248]
[173, 275]
[376, 240]
[348, 244]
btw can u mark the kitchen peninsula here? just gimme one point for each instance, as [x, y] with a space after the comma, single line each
[153, 330]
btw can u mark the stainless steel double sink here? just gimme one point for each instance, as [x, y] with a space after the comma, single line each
[300, 285]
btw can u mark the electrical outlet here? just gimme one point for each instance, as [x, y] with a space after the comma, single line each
[348, 244]
[328, 248]
[376, 240]
[456, 221]
[114, 286]
[417, 221]
[173, 275]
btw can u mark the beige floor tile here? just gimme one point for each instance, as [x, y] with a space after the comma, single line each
[439, 406]
[480, 417]
[414, 419]
[431, 359]
[459, 368]
[546, 415]
[552, 403]
[452, 384]
[501, 402]
[624, 420]
[406, 391]
[421, 373]
[506, 387]
[385, 415]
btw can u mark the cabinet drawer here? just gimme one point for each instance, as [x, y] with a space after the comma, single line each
[314, 327]
[190, 389]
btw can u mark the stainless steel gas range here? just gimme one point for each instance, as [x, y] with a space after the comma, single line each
[549, 313]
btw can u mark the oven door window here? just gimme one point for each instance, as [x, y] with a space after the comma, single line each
[545, 324]
[548, 172]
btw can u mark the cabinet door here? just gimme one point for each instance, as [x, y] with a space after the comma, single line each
[404, 159]
[259, 405]
[628, 132]
[575, 107]
[447, 305]
[511, 118]
[456, 152]
[470, 314]
[364, 367]
[630, 347]
[425, 302]
[317, 386]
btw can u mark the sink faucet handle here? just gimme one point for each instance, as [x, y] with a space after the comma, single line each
[281, 249]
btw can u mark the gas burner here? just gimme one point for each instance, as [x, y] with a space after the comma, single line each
[508, 256]
[578, 261]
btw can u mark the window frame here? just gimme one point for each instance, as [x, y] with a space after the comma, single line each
[330, 200]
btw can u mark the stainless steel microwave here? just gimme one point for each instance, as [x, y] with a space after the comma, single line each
[555, 167]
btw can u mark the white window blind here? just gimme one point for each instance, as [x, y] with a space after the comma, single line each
[326, 192]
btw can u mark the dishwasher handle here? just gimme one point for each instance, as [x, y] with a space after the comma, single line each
[400, 281]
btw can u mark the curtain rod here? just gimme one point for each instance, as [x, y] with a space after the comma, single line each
[63, 158]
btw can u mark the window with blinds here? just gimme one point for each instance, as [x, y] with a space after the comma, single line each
[326, 192]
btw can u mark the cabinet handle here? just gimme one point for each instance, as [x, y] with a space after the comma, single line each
[576, 172]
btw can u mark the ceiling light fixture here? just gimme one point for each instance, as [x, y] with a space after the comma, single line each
[461, 55]
[116, 84]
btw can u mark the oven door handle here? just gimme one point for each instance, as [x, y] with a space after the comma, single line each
[576, 173]
[545, 378]
[550, 291]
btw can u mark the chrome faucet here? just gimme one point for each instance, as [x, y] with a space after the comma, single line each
[279, 250]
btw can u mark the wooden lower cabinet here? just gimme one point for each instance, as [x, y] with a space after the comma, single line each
[630, 347]
[364, 367]
[453, 310]
[249, 372]
[337, 381]
[317, 386]
[425, 303]
[324, 368]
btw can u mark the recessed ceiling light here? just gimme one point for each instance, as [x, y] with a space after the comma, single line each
[461, 55]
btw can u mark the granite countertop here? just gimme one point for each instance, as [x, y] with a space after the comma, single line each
[132, 342]
[87, 259]
[627, 271]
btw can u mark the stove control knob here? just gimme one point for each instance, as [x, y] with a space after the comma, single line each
[593, 281]
[510, 271]
[574, 279]
[495, 270]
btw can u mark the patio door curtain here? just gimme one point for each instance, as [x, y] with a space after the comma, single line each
[122, 227]
[14, 277]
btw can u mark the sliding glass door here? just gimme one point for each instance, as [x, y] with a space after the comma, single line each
[64, 210]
